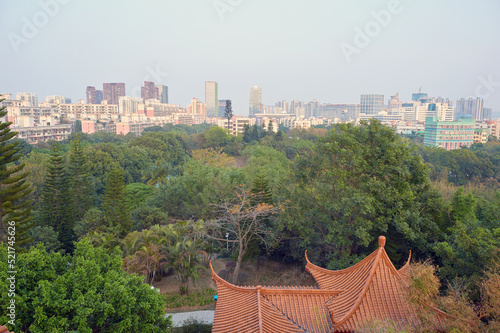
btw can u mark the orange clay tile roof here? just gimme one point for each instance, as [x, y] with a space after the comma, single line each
[4, 329]
[271, 309]
[347, 299]
[371, 289]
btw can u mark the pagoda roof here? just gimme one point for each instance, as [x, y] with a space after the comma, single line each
[4, 329]
[371, 289]
[271, 309]
[347, 299]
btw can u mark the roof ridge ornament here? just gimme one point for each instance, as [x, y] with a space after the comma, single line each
[381, 241]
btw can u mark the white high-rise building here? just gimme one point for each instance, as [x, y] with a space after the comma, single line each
[255, 101]
[30, 99]
[212, 98]
[470, 106]
[128, 104]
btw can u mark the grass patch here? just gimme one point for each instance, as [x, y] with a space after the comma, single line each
[195, 298]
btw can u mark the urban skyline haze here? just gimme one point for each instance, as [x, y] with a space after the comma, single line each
[331, 51]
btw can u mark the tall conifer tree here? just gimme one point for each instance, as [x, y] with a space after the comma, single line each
[13, 187]
[57, 210]
[81, 187]
[116, 207]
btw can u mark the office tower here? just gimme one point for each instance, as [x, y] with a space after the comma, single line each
[419, 95]
[283, 105]
[162, 93]
[394, 102]
[313, 109]
[255, 100]
[449, 134]
[470, 106]
[294, 105]
[113, 91]
[148, 91]
[212, 98]
[94, 96]
[29, 99]
[487, 113]
[371, 103]
[222, 106]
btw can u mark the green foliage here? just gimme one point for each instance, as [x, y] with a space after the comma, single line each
[169, 147]
[36, 164]
[56, 208]
[47, 236]
[87, 292]
[228, 113]
[268, 160]
[146, 216]
[470, 244]
[116, 206]
[217, 137]
[191, 194]
[358, 183]
[94, 220]
[137, 194]
[81, 188]
[195, 298]
[13, 188]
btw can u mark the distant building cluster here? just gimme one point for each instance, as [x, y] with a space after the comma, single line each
[435, 118]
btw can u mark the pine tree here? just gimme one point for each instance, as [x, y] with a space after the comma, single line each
[116, 207]
[261, 190]
[13, 188]
[228, 114]
[57, 209]
[81, 187]
[270, 127]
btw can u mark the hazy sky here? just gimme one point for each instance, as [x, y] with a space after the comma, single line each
[327, 50]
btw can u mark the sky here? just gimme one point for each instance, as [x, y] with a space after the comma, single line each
[328, 50]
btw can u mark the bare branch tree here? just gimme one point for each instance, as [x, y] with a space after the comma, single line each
[244, 222]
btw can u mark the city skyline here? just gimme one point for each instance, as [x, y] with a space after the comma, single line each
[339, 51]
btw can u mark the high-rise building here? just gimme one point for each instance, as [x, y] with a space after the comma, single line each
[197, 107]
[470, 106]
[212, 98]
[29, 99]
[255, 100]
[487, 113]
[419, 95]
[94, 96]
[162, 93]
[283, 106]
[128, 104]
[294, 105]
[394, 102]
[113, 91]
[449, 134]
[343, 112]
[222, 106]
[371, 103]
[52, 99]
[313, 109]
[148, 91]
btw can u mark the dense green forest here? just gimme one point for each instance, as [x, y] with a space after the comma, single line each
[158, 203]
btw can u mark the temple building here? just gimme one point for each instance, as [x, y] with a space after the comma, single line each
[346, 300]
